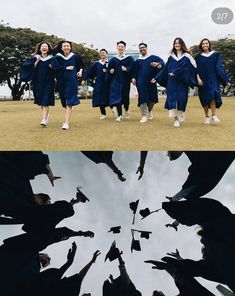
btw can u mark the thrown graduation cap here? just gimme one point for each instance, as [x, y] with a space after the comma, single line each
[80, 196]
[113, 253]
[116, 229]
[133, 206]
[143, 234]
[146, 212]
[135, 244]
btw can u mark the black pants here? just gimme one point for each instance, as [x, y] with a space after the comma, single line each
[102, 110]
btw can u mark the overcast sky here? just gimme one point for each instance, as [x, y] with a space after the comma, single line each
[109, 206]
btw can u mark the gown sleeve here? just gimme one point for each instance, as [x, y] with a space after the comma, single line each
[91, 72]
[186, 72]
[221, 73]
[162, 76]
[28, 70]
[79, 63]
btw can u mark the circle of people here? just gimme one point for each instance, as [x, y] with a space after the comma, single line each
[22, 256]
[113, 80]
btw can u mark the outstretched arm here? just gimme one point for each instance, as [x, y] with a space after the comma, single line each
[70, 259]
[86, 268]
[143, 156]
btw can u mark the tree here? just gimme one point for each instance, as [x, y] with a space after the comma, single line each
[226, 47]
[17, 45]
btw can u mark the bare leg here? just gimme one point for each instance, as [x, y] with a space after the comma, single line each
[68, 114]
[206, 110]
[213, 107]
[45, 112]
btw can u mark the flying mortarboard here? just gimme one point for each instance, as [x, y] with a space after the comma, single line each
[133, 206]
[135, 244]
[143, 234]
[146, 212]
[116, 229]
[80, 196]
[113, 253]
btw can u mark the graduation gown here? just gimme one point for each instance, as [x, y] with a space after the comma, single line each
[212, 73]
[101, 88]
[143, 72]
[67, 81]
[98, 156]
[120, 80]
[42, 77]
[116, 289]
[184, 69]
[206, 170]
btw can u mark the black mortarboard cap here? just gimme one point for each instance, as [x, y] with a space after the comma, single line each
[80, 196]
[135, 245]
[134, 206]
[116, 229]
[113, 253]
[145, 234]
[145, 213]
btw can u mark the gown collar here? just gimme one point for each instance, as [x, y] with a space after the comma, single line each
[66, 58]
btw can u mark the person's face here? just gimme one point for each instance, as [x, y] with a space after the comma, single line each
[44, 48]
[205, 45]
[66, 48]
[177, 45]
[121, 48]
[44, 260]
[103, 55]
[38, 200]
[143, 50]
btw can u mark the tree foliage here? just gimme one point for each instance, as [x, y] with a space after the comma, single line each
[17, 45]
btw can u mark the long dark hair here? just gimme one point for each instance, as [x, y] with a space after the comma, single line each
[58, 48]
[38, 48]
[183, 46]
[200, 45]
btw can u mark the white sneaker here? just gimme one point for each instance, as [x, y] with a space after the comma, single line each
[181, 116]
[44, 123]
[215, 119]
[65, 126]
[119, 119]
[150, 115]
[207, 120]
[172, 113]
[102, 117]
[127, 115]
[176, 123]
[144, 119]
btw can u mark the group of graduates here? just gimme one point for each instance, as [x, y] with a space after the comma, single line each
[22, 257]
[112, 80]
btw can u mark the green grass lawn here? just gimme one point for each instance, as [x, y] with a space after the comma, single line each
[20, 129]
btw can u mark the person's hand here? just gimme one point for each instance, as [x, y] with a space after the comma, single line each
[79, 74]
[140, 170]
[83, 82]
[70, 68]
[38, 57]
[120, 176]
[71, 253]
[175, 254]
[111, 71]
[200, 82]
[124, 69]
[104, 70]
[156, 65]
[89, 234]
[173, 225]
[171, 74]
[74, 201]
[51, 176]
[95, 255]
[155, 263]
[133, 81]
[153, 81]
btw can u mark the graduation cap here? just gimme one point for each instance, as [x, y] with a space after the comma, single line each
[80, 196]
[116, 229]
[133, 206]
[113, 253]
[135, 244]
[143, 234]
[146, 212]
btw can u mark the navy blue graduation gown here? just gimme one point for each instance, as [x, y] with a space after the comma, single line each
[184, 69]
[43, 81]
[212, 73]
[67, 81]
[120, 80]
[98, 156]
[143, 72]
[101, 87]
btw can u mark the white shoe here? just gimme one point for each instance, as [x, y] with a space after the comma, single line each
[44, 123]
[119, 119]
[102, 117]
[144, 119]
[150, 115]
[215, 119]
[207, 120]
[65, 126]
[181, 116]
[127, 115]
[176, 123]
[172, 113]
